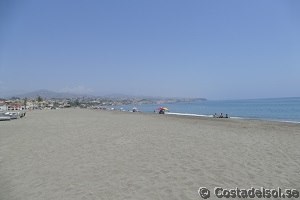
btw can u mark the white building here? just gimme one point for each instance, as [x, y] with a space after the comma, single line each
[3, 107]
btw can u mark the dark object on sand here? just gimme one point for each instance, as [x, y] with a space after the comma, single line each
[161, 111]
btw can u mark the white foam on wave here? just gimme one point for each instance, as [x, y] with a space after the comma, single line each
[187, 114]
[237, 118]
[286, 121]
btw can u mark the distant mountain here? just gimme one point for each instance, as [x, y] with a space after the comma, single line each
[118, 96]
[126, 96]
[47, 94]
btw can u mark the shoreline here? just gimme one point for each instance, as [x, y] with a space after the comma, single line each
[235, 118]
[277, 109]
[183, 115]
[210, 116]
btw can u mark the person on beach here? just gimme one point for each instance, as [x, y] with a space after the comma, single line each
[221, 116]
[161, 111]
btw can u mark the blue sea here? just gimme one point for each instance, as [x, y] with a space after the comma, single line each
[275, 109]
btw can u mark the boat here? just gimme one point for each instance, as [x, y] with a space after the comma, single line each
[4, 117]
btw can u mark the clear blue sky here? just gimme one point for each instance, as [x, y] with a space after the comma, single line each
[198, 48]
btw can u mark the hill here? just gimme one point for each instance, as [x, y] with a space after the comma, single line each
[47, 94]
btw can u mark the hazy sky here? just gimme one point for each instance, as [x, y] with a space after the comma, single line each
[195, 48]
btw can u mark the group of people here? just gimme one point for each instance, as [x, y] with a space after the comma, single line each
[221, 116]
[162, 110]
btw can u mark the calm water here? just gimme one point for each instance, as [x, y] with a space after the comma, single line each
[281, 109]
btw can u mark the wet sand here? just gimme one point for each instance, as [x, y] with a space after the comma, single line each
[91, 154]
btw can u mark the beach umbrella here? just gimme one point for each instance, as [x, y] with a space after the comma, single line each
[163, 108]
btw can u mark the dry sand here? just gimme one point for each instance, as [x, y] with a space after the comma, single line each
[88, 154]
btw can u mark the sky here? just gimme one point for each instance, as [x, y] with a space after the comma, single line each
[213, 49]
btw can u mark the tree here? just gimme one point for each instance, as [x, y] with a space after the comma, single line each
[25, 102]
[77, 102]
[39, 99]
[55, 104]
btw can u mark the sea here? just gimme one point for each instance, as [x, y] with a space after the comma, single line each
[273, 109]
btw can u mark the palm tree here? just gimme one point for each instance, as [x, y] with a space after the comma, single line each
[39, 99]
[25, 102]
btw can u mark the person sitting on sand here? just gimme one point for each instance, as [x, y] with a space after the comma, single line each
[221, 116]
[226, 116]
[215, 115]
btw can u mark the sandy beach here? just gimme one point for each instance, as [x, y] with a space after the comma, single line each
[90, 154]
